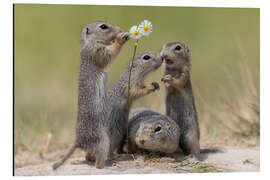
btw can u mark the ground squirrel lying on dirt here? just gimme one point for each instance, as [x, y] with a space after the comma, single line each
[180, 104]
[152, 131]
[144, 63]
[101, 42]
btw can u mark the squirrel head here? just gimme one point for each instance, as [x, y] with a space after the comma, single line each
[99, 32]
[144, 63]
[156, 133]
[175, 55]
[101, 42]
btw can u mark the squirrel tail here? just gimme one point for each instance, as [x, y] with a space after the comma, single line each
[205, 151]
[211, 150]
[69, 153]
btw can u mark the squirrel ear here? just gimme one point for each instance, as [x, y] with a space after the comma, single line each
[187, 50]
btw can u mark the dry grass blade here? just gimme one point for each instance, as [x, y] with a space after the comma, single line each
[238, 115]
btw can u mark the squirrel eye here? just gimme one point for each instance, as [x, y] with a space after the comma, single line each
[87, 30]
[157, 129]
[103, 26]
[146, 57]
[112, 41]
[178, 48]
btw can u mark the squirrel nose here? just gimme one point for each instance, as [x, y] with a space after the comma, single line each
[163, 56]
[142, 141]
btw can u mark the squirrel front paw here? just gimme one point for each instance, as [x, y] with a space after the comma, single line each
[167, 78]
[154, 86]
[122, 37]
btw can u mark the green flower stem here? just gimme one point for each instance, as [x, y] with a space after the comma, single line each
[128, 97]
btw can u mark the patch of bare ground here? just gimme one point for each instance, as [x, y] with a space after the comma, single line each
[227, 160]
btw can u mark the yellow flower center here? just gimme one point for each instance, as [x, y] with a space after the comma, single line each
[146, 28]
[136, 32]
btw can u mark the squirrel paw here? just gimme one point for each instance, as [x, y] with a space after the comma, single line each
[167, 84]
[154, 86]
[122, 37]
[167, 78]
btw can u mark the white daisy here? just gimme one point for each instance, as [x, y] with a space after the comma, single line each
[145, 28]
[135, 32]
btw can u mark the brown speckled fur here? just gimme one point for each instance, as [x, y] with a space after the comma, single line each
[180, 104]
[99, 47]
[143, 132]
[119, 92]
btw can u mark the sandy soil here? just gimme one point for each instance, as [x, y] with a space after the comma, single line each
[229, 160]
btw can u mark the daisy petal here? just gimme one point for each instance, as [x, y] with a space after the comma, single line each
[135, 32]
[145, 28]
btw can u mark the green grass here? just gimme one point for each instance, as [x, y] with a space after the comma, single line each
[47, 45]
[197, 166]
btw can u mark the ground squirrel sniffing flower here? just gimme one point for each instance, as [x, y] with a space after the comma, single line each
[143, 64]
[101, 42]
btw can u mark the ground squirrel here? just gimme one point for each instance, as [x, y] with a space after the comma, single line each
[152, 131]
[180, 104]
[144, 63]
[101, 42]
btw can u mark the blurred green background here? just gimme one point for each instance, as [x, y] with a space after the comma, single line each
[47, 46]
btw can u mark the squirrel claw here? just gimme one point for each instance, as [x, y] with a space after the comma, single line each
[126, 36]
[122, 37]
[166, 78]
[155, 85]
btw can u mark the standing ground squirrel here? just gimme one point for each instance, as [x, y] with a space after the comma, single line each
[144, 63]
[152, 131]
[101, 42]
[180, 104]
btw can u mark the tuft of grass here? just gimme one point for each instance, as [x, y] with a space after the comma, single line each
[196, 166]
[247, 161]
[237, 116]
